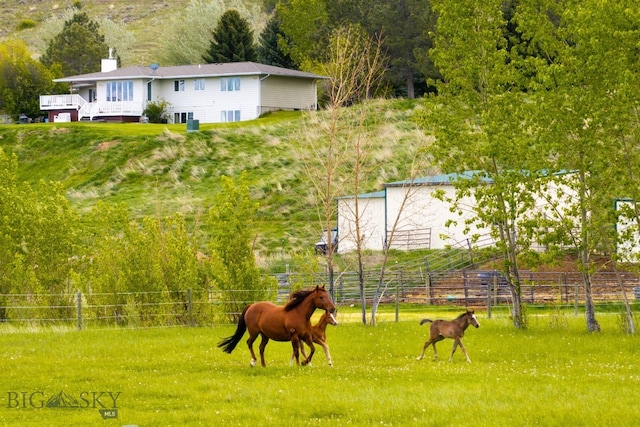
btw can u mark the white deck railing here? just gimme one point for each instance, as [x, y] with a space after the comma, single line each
[90, 109]
[56, 102]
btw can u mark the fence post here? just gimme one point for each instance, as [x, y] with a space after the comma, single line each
[397, 303]
[190, 308]
[79, 309]
[575, 301]
[489, 292]
[427, 284]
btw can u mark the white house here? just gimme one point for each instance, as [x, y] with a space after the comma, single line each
[209, 93]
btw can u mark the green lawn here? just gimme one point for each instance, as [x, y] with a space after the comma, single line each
[555, 373]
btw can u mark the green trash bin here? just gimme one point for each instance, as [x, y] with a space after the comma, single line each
[193, 125]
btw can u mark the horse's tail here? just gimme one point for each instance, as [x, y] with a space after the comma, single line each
[423, 321]
[229, 343]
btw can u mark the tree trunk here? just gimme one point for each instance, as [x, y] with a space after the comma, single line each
[410, 88]
[363, 299]
[517, 314]
[331, 277]
[630, 324]
[590, 312]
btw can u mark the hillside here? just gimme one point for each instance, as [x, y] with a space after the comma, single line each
[145, 21]
[162, 169]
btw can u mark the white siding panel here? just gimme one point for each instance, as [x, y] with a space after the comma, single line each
[207, 105]
[288, 93]
[247, 99]
[423, 210]
[372, 225]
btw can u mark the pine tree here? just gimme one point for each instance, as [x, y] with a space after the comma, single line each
[269, 51]
[78, 48]
[232, 40]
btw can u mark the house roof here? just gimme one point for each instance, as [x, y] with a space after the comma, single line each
[374, 195]
[442, 179]
[191, 71]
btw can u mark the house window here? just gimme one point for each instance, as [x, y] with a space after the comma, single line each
[149, 91]
[230, 84]
[120, 91]
[182, 117]
[230, 116]
[178, 85]
[198, 84]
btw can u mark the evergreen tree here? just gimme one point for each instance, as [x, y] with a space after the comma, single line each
[269, 51]
[232, 40]
[78, 48]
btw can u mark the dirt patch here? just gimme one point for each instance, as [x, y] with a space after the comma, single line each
[104, 146]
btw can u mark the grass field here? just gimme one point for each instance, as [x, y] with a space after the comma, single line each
[554, 373]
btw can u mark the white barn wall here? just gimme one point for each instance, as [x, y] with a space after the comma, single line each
[423, 210]
[372, 223]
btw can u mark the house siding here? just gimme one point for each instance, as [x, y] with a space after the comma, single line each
[287, 93]
[208, 104]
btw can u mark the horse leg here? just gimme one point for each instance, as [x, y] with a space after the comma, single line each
[263, 344]
[453, 350]
[426, 345]
[464, 350]
[325, 347]
[296, 344]
[250, 341]
[304, 354]
[312, 349]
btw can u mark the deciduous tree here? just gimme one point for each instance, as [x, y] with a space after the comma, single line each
[231, 220]
[22, 80]
[480, 121]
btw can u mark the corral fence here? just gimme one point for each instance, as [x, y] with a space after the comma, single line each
[482, 289]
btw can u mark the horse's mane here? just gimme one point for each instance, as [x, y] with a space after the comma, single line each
[296, 298]
[462, 315]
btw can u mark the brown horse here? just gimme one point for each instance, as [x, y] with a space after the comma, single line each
[280, 323]
[319, 335]
[441, 329]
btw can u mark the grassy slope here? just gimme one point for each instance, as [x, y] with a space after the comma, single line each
[160, 169]
[544, 376]
[145, 19]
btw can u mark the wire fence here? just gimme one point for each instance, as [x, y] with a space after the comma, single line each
[481, 289]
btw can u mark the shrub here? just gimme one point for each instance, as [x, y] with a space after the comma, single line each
[25, 24]
[156, 111]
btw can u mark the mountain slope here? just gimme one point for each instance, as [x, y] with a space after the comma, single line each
[146, 20]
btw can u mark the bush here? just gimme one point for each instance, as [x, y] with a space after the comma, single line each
[25, 24]
[156, 111]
